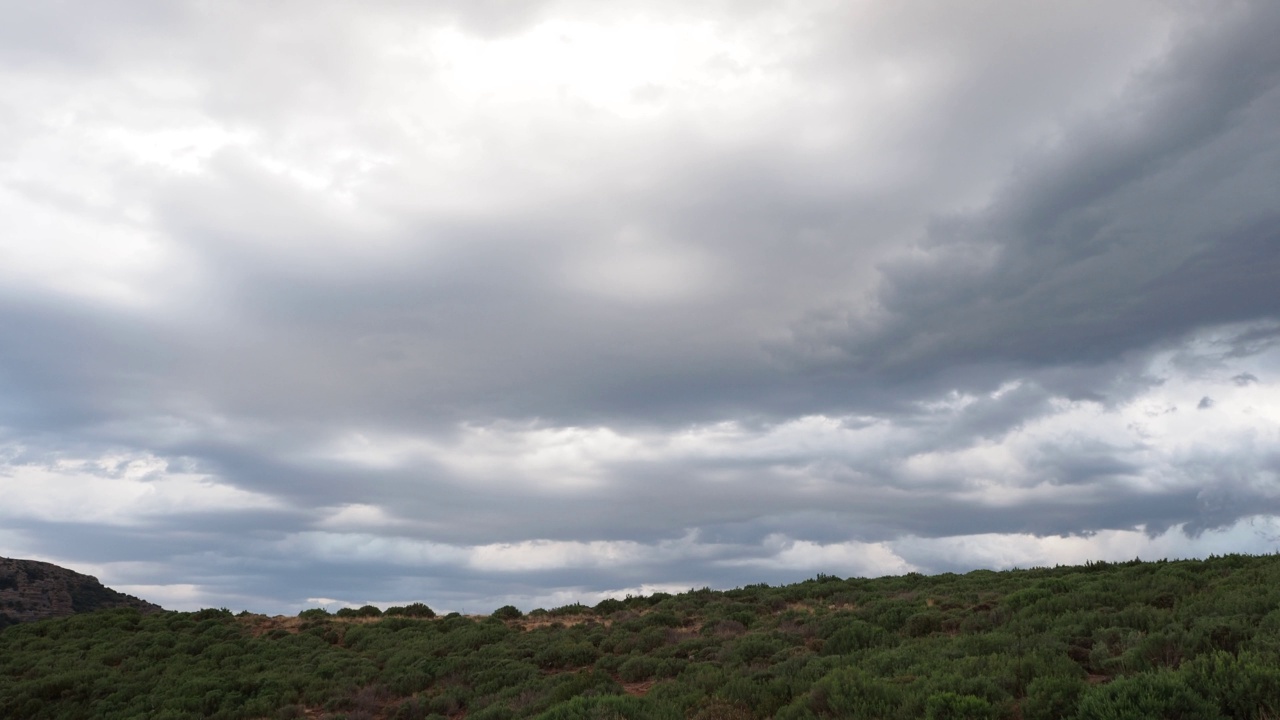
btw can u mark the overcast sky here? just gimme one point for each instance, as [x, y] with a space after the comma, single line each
[476, 303]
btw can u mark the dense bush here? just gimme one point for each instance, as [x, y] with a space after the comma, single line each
[1244, 686]
[850, 693]
[953, 706]
[1187, 639]
[1148, 696]
[1052, 697]
[415, 610]
[508, 612]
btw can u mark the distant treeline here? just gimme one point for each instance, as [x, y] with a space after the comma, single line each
[1181, 639]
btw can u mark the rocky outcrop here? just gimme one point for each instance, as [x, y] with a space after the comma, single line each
[33, 590]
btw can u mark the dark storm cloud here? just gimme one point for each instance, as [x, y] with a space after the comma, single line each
[1086, 462]
[1082, 264]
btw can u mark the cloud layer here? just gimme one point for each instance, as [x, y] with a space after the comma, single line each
[545, 301]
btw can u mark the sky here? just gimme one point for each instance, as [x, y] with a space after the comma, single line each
[534, 302]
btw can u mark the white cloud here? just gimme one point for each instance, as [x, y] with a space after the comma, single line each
[119, 489]
[357, 516]
[183, 596]
[846, 558]
[367, 547]
[547, 554]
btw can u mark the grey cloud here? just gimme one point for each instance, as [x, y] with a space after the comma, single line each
[81, 34]
[1233, 487]
[1079, 261]
[101, 543]
[1014, 235]
[1086, 462]
[1254, 341]
[46, 375]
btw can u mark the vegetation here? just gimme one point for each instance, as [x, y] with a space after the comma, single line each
[1184, 639]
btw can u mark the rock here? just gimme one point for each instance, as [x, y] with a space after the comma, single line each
[32, 590]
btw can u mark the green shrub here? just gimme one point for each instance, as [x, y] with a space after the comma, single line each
[608, 606]
[507, 612]
[609, 707]
[570, 609]
[851, 693]
[418, 610]
[205, 614]
[586, 682]
[566, 654]
[952, 706]
[1053, 697]
[855, 635]
[1243, 686]
[755, 649]
[638, 668]
[1161, 695]
[922, 624]
[662, 618]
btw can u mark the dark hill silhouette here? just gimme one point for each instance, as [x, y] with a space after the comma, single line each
[33, 590]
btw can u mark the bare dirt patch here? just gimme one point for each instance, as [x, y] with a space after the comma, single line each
[260, 625]
[528, 623]
[638, 689]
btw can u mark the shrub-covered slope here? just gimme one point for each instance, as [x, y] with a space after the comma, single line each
[1185, 639]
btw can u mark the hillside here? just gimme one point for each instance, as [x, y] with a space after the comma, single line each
[1181, 639]
[32, 590]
